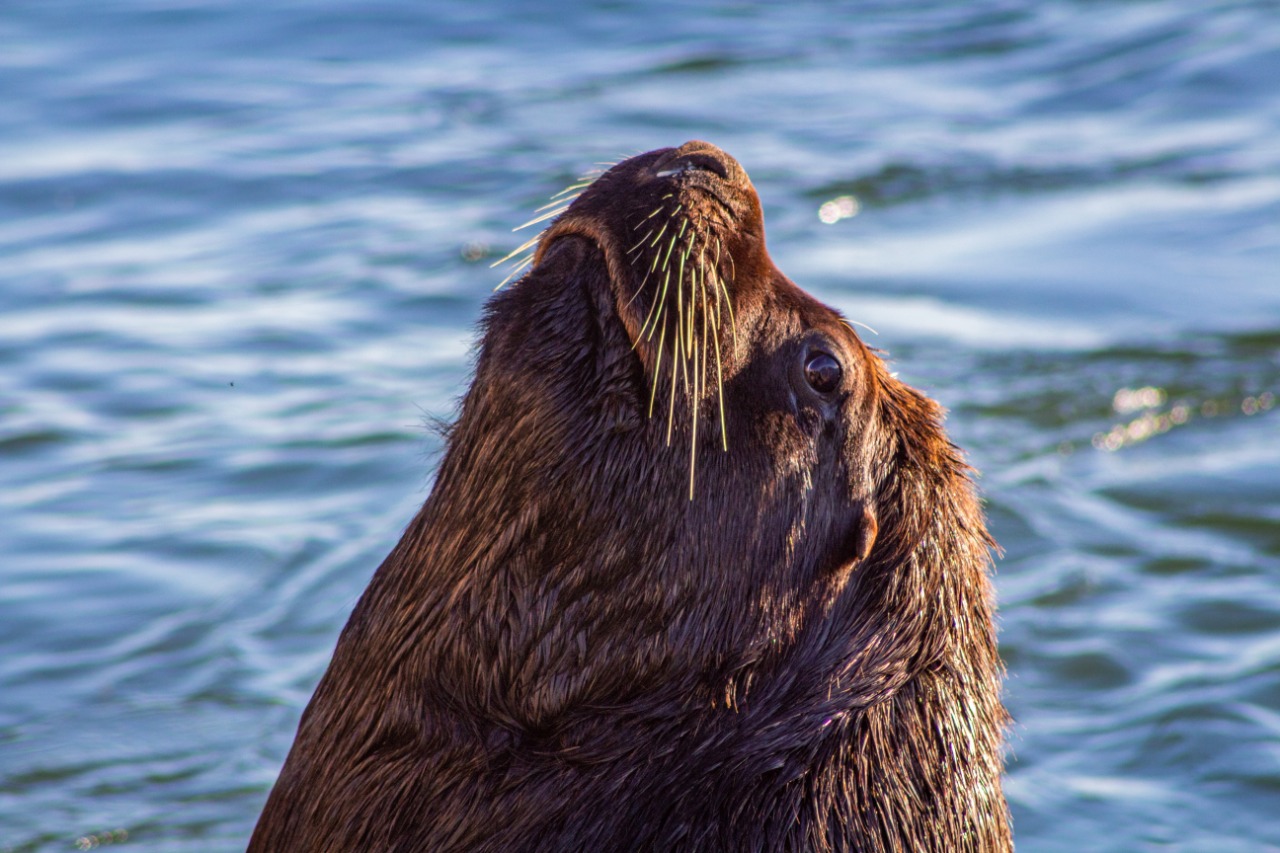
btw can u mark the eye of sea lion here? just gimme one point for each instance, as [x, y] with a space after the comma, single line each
[822, 372]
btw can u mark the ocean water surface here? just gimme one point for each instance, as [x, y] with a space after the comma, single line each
[243, 248]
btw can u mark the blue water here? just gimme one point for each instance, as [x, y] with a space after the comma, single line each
[243, 247]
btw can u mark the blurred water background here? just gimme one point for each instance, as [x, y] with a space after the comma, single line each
[243, 247]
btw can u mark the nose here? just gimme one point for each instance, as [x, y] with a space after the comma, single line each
[700, 156]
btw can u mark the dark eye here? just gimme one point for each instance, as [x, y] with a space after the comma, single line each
[822, 372]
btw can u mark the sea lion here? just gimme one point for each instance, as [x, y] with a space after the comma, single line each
[697, 573]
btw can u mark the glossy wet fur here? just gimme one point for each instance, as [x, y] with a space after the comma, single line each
[566, 651]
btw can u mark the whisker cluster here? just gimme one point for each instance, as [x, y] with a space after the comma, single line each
[690, 305]
[522, 255]
[690, 301]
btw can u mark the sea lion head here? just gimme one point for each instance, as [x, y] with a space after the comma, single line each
[664, 425]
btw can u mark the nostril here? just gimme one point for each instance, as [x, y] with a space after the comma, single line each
[689, 162]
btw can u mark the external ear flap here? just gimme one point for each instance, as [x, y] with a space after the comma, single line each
[868, 527]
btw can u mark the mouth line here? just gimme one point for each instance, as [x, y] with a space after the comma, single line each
[729, 208]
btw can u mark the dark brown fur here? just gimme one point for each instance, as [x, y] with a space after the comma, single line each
[568, 652]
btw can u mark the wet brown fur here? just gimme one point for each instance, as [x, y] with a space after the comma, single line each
[566, 651]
